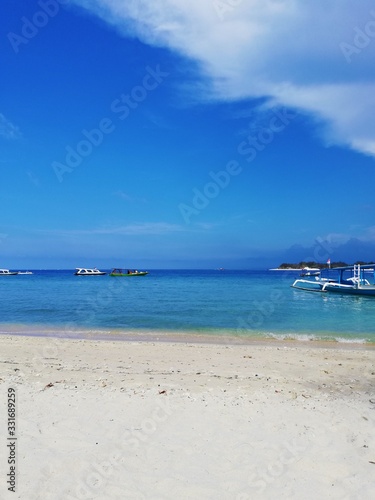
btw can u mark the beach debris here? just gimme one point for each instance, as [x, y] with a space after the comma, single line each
[372, 401]
[371, 462]
[163, 392]
[51, 384]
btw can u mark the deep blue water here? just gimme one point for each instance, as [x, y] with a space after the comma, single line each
[241, 303]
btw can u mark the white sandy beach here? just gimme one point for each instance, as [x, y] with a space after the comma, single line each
[163, 420]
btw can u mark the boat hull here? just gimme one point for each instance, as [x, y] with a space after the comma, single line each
[362, 291]
[90, 274]
[123, 275]
[332, 287]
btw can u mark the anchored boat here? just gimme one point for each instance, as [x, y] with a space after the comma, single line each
[6, 272]
[126, 272]
[310, 271]
[349, 280]
[81, 271]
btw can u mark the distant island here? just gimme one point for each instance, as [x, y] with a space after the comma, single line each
[318, 265]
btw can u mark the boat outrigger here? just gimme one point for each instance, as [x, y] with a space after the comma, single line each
[126, 272]
[345, 280]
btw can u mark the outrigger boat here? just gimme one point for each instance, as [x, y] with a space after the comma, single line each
[126, 272]
[345, 280]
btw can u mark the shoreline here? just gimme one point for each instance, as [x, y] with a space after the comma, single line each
[173, 420]
[196, 340]
[214, 337]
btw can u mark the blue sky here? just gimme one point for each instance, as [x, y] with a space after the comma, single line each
[186, 134]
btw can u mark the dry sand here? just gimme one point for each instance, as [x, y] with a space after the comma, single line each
[163, 420]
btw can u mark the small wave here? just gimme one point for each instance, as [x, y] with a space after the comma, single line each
[317, 338]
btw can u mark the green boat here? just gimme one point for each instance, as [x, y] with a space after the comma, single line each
[126, 272]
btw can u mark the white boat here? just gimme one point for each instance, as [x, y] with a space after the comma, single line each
[6, 272]
[310, 271]
[82, 271]
[336, 280]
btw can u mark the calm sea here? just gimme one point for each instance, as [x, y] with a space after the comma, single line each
[235, 303]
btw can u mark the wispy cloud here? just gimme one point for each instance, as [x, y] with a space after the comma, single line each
[336, 239]
[7, 129]
[130, 199]
[290, 52]
[33, 178]
[359, 232]
[147, 228]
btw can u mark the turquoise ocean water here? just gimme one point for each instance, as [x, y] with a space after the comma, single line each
[248, 304]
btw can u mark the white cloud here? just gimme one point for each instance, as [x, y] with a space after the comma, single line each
[292, 51]
[136, 229]
[346, 110]
[7, 129]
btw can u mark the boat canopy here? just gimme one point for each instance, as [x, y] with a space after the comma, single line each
[348, 268]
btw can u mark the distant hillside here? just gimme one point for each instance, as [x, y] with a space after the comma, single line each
[318, 265]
